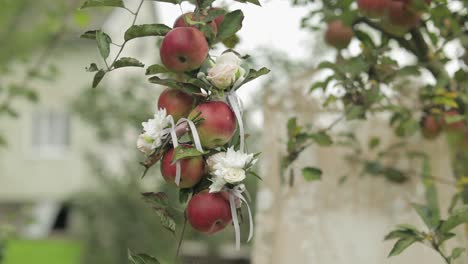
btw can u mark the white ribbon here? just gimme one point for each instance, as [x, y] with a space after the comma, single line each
[234, 193]
[234, 101]
[175, 143]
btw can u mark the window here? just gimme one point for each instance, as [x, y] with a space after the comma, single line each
[50, 133]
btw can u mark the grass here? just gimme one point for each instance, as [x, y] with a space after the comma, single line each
[42, 252]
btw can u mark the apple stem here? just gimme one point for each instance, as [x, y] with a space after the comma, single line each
[179, 245]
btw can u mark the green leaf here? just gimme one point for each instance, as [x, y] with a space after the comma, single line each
[374, 142]
[159, 200]
[321, 138]
[231, 41]
[141, 258]
[458, 217]
[156, 69]
[426, 215]
[355, 112]
[99, 3]
[205, 3]
[431, 193]
[98, 77]
[167, 221]
[182, 152]
[145, 30]
[364, 38]
[255, 2]
[103, 41]
[394, 175]
[456, 252]
[231, 24]
[213, 14]
[91, 34]
[92, 68]
[128, 62]
[311, 173]
[401, 245]
[184, 195]
[254, 74]
[188, 87]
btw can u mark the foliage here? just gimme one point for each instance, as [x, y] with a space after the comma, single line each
[370, 81]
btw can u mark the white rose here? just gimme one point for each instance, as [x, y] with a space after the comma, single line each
[226, 71]
[234, 175]
[217, 185]
[215, 159]
[145, 144]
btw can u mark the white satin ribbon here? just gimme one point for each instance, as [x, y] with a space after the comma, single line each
[234, 101]
[175, 143]
[234, 193]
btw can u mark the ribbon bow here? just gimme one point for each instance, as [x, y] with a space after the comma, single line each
[175, 143]
[236, 193]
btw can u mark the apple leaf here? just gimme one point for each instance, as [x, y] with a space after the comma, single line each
[156, 69]
[91, 34]
[401, 245]
[141, 258]
[98, 77]
[188, 87]
[213, 14]
[128, 62]
[255, 2]
[321, 138]
[311, 173]
[456, 252]
[458, 217]
[146, 30]
[254, 74]
[205, 3]
[100, 3]
[103, 41]
[182, 152]
[231, 24]
[157, 200]
[184, 195]
[92, 68]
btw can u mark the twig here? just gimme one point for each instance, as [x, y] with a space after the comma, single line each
[181, 239]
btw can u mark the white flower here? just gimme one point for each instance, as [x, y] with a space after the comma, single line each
[145, 144]
[226, 71]
[217, 185]
[228, 167]
[234, 175]
[154, 131]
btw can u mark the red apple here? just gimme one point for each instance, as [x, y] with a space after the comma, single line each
[209, 212]
[338, 34]
[192, 169]
[456, 126]
[401, 14]
[373, 8]
[177, 103]
[181, 21]
[183, 49]
[218, 125]
[430, 127]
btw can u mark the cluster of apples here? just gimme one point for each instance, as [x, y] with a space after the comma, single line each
[184, 49]
[395, 16]
[432, 125]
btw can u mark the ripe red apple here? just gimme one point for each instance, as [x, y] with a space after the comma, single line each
[401, 14]
[456, 126]
[430, 127]
[177, 103]
[181, 21]
[183, 49]
[218, 125]
[373, 8]
[209, 212]
[338, 34]
[192, 169]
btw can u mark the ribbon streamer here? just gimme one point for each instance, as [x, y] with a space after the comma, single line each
[234, 102]
[175, 143]
[234, 193]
